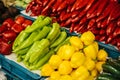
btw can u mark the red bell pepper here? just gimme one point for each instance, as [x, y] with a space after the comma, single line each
[19, 19]
[9, 35]
[3, 28]
[8, 22]
[5, 48]
[26, 23]
[17, 28]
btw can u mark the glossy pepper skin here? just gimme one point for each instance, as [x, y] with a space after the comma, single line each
[91, 51]
[87, 37]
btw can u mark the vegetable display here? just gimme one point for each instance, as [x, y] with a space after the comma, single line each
[8, 32]
[34, 45]
[100, 17]
[80, 58]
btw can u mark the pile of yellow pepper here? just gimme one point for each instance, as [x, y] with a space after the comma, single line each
[81, 59]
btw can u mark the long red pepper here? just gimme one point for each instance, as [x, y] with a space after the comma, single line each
[45, 2]
[62, 6]
[81, 4]
[101, 7]
[91, 23]
[89, 4]
[93, 8]
[107, 11]
[48, 6]
[56, 5]
[75, 5]
[110, 28]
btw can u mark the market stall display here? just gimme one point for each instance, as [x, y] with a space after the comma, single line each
[63, 40]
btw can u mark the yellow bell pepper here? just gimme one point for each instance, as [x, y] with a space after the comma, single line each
[102, 55]
[87, 37]
[91, 51]
[76, 42]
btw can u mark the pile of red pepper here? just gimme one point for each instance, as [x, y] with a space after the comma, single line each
[9, 30]
[100, 17]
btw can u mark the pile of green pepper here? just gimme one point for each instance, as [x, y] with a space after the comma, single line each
[34, 45]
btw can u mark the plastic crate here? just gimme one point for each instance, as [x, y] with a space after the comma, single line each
[17, 71]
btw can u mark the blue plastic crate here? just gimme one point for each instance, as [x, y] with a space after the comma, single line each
[10, 67]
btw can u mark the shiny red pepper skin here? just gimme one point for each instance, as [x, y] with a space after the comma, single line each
[118, 22]
[101, 7]
[72, 27]
[107, 11]
[102, 38]
[75, 5]
[109, 39]
[83, 20]
[8, 22]
[44, 2]
[30, 6]
[81, 4]
[62, 15]
[3, 28]
[48, 6]
[39, 2]
[102, 31]
[99, 24]
[75, 13]
[93, 8]
[9, 35]
[91, 23]
[17, 28]
[89, 4]
[104, 23]
[116, 32]
[56, 5]
[110, 28]
[69, 8]
[5, 48]
[114, 11]
[62, 6]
